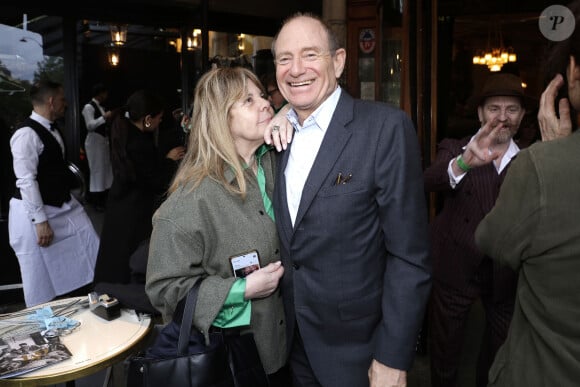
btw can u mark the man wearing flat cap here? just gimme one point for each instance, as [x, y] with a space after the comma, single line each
[467, 174]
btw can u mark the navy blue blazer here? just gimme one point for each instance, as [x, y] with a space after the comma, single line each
[357, 273]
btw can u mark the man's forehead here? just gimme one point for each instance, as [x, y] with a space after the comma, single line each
[502, 100]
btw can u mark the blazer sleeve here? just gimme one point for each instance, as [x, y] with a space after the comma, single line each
[176, 252]
[403, 214]
[436, 176]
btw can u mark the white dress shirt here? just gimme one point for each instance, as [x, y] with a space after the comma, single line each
[305, 145]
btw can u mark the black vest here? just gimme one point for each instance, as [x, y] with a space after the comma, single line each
[53, 176]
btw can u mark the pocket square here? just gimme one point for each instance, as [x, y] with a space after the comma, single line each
[342, 179]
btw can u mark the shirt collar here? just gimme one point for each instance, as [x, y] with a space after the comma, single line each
[320, 117]
[40, 119]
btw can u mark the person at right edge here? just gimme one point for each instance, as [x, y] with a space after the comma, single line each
[351, 216]
[538, 235]
[219, 206]
[469, 182]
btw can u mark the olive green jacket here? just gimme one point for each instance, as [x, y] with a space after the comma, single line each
[535, 229]
[194, 234]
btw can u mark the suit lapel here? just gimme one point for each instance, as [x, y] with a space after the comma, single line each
[335, 139]
[280, 201]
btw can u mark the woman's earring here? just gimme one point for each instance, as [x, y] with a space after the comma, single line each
[148, 124]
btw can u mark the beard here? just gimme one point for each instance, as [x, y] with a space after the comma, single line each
[504, 135]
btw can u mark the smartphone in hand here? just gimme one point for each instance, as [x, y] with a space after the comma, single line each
[245, 263]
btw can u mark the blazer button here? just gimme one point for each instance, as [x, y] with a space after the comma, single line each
[261, 212]
[295, 266]
[277, 251]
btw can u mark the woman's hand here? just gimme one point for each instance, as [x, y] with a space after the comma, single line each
[279, 131]
[176, 153]
[263, 282]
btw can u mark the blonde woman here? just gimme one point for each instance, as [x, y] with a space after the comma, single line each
[219, 207]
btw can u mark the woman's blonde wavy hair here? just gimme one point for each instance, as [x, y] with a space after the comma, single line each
[210, 149]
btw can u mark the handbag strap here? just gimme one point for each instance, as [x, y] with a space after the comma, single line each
[186, 321]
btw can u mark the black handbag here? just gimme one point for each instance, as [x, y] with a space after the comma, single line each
[179, 356]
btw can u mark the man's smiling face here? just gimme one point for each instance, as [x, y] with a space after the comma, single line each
[306, 67]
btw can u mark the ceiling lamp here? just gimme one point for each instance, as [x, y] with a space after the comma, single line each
[113, 55]
[494, 57]
[118, 34]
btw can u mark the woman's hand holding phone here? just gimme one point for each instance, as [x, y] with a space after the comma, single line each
[263, 282]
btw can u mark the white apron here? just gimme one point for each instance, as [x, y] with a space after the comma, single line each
[67, 264]
[99, 158]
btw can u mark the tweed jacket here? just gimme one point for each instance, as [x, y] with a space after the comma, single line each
[357, 273]
[194, 234]
[534, 229]
[455, 256]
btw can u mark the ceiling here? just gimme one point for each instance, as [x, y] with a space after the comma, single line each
[152, 20]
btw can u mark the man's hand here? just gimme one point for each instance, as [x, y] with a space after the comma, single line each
[381, 375]
[550, 126]
[479, 151]
[44, 234]
[281, 136]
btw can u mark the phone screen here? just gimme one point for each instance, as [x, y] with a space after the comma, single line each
[245, 263]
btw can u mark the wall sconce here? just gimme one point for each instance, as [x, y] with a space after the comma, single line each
[241, 44]
[113, 55]
[118, 34]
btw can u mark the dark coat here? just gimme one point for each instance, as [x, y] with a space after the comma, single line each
[455, 255]
[133, 197]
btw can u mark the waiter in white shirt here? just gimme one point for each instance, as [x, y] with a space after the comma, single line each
[97, 146]
[50, 232]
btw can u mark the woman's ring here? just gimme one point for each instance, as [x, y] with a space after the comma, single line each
[275, 128]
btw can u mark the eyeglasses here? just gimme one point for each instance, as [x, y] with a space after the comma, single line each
[271, 92]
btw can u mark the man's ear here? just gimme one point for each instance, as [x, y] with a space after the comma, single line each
[480, 114]
[339, 59]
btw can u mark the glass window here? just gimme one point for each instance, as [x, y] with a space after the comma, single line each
[29, 51]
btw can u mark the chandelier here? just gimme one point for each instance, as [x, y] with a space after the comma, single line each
[494, 57]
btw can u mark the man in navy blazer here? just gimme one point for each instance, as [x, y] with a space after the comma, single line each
[351, 216]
